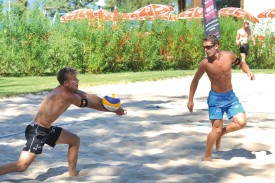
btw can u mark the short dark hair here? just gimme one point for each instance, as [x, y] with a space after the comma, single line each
[212, 38]
[62, 74]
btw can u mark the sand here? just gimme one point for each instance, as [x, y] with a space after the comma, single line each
[157, 141]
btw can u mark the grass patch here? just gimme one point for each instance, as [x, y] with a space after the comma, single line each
[13, 86]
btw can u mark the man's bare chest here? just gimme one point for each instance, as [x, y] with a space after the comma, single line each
[244, 33]
[218, 67]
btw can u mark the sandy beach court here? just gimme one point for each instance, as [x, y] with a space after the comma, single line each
[158, 141]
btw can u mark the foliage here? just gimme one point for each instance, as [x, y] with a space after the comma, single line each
[31, 45]
[65, 4]
[133, 5]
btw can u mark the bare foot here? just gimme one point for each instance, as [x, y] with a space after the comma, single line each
[75, 174]
[218, 142]
[207, 159]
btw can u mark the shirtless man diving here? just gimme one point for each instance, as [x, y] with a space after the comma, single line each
[221, 98]
[41, 131]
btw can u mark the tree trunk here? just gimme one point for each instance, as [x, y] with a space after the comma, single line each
[196, 3]
[182, 5]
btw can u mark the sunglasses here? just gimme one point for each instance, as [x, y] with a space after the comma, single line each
[208, 46]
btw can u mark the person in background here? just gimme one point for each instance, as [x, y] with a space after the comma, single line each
[242, 38]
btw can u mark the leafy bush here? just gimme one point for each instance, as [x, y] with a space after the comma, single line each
[31, 45]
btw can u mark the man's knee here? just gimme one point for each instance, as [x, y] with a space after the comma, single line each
[242, 124]
[217, 130]
[76, 140]
[240, 120]
[22, 166]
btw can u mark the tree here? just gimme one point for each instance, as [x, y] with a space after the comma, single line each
[19, 7]
[132, 5]
[76, 4]
[57, 7]
[67, 4]
[182, 5]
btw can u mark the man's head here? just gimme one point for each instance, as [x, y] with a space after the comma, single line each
[64, 74]
[246, 25]
[210, 45]
[213, 39]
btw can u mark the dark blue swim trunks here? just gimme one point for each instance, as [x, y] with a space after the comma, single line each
[218, 103]
[37, 136]
[244, 48]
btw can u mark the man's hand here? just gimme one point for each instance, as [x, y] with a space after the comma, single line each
[190, 106]
[120, 111]
[251, 75]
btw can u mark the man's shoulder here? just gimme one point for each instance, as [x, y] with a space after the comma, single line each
[226, 52]
[57, 92]
[228, 55]
[204, 61]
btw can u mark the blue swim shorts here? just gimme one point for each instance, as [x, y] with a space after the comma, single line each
[218, 103]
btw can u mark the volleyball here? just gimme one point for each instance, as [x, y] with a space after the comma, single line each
[111, 102]
[241, 42]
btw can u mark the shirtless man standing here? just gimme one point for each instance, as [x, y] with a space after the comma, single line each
[221, 98]
[41, 131]
[242, 38]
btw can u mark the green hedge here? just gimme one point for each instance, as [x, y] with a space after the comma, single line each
[30, 45]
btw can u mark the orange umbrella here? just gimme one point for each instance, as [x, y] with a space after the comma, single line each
[82, 14]
[151, 11]
[108, 15]
[167, 16]
[191, 13]
[238, 13]
[270, 13]
[79, 14]
[103, 14]
[124, 16]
